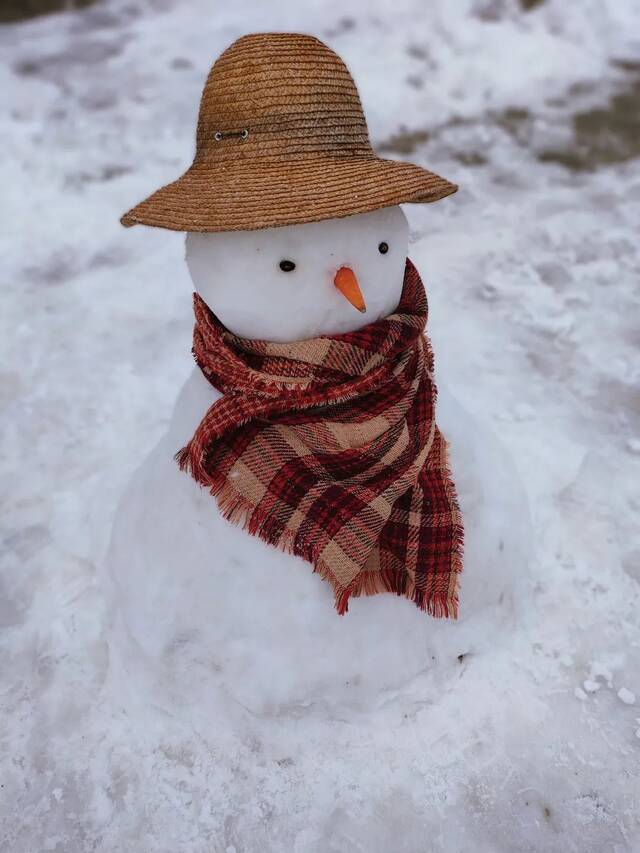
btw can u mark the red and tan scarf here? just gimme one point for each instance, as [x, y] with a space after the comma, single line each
[328, 448]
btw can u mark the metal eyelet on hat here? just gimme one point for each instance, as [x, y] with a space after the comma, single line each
[219, 135]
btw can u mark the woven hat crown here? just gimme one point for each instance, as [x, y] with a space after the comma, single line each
[280, 94]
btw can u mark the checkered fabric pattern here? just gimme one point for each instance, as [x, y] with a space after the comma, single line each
[328, 448]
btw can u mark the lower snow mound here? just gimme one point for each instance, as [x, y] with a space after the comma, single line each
[206, 609]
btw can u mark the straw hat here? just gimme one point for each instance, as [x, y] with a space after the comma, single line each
[282, 139]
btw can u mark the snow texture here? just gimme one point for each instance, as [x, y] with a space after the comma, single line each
[530, 741]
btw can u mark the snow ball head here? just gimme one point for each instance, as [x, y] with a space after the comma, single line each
[300, 281]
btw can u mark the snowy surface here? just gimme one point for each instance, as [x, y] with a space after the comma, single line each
[530, 744]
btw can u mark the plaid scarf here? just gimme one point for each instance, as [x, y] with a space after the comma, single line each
[328, 448]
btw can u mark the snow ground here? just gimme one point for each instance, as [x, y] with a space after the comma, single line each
[532, 270]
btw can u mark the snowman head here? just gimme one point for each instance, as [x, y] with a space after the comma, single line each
[300, 281]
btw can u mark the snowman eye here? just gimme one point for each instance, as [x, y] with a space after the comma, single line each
[383, 248]
[287, 266]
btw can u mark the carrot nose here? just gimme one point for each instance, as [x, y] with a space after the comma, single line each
[347, 283]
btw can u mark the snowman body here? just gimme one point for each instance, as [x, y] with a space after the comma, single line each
[217, 609]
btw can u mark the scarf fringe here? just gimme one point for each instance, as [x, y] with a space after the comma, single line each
[183, 458]
[241, 513]
[440, 605]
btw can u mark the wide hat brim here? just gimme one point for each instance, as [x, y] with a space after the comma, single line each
[249, 195]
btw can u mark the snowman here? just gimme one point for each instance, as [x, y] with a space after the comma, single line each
[295, 240]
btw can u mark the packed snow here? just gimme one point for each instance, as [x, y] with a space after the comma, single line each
[528, 742]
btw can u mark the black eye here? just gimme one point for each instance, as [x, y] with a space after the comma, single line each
[383, 248]
[287, 266]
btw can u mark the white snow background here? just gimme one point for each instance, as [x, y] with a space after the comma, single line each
[532, 271]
